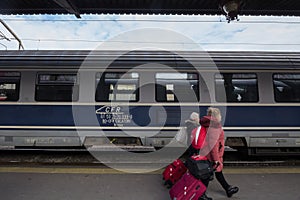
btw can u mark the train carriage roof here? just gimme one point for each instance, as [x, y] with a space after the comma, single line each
[122, 59]
[189, 7]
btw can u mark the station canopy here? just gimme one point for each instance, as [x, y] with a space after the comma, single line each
[186, 7]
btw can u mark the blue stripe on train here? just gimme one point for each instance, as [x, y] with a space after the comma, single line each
[62, 115]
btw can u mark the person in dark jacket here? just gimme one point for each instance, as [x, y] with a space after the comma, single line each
[214, 148]
[191, 124]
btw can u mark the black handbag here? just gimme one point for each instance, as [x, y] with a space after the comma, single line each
[200, 167]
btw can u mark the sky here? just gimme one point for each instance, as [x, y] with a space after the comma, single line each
[211, 33]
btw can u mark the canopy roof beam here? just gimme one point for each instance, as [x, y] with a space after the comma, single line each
[68, 6]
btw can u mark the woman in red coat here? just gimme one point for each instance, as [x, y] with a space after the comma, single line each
[214, 146]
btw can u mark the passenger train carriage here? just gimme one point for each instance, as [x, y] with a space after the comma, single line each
[78, 98]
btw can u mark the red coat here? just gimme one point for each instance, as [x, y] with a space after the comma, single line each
[215, 143]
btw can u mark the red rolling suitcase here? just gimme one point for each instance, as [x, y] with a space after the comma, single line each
[187, 188]
[174, 172]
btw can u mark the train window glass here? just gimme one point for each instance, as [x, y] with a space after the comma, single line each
[57, 87]
[9, 86]
[117, 86]
[286, 87]
[57, 79]
[177, 87]
[235, 87]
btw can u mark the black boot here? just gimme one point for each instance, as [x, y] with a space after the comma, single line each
[204, 197]
[231, 190]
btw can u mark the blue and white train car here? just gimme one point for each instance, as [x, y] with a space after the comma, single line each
[81, 98]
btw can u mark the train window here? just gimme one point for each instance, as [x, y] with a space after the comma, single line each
[56, 87]
[9, 86]
[117, 86]
[235, 87]
[286, 87]
[177, 87]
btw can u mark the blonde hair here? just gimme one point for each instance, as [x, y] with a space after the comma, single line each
[214, 112]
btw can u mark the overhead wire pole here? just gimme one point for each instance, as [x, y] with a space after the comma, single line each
[13, 34]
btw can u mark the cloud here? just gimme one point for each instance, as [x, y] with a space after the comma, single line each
[210, 32]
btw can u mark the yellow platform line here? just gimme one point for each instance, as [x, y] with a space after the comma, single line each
[59, 170]
[84, 170]
[263, 170]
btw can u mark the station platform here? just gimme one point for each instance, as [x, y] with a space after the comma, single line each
[102, 183]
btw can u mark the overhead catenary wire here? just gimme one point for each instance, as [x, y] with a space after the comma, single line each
[159, 42]
[3, 46]
[3, 37]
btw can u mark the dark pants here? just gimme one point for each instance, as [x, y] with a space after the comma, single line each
[221, 179]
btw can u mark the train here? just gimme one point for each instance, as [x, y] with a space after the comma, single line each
[69, 99]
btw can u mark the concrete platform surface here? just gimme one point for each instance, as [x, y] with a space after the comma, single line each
[67, 183]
